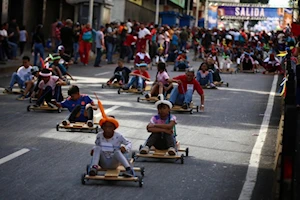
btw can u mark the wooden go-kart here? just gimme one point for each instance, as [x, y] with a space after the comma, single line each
[163, 154]
[231, 70]
[178, 108]
[77, 126]
[134, 90]
[114, 175]
[14, 91]
[44, 107]
[151, 99]
[114, 85]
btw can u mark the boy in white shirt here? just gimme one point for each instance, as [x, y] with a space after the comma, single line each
[21, 76]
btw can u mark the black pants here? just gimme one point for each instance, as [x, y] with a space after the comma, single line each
[72, 117]
[22, 46]
[47, 95]
[161, 141]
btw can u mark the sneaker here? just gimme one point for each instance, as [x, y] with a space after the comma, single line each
[171, 151]
[144, 150]
[147, 96]
[108, 83]
[128, 173]
[8, 89]
[212, 85]
[93, 170]
[125, 87]
[51, 105]
[140, 90]
[66, 122]
[21, 98]
[184, 106]
[120, 82]
[90, 123]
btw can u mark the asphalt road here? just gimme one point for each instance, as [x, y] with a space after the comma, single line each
[220, 141]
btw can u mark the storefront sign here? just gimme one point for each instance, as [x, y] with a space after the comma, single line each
[180, 3]
[138, 2]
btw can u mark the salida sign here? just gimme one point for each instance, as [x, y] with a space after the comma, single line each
[249, 13]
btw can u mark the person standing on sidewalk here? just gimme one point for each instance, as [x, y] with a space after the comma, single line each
[66, 34]
[13, 37]
[85, 43]
[76, 35]
[109, 39]
[100, 45]
[38, 43]
[23, 39]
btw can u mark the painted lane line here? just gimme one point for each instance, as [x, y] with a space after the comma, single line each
[103, 73]
[253, 166]
[108, 110]
[13, 155]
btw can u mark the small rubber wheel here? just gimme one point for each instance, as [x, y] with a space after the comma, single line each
[197, 108]
[143, 171]
[28, 108]
[191, 111]
[83, 179]
[30, 100]
[102, 86]
[141, 183]
[96, 129]
[138, 99]
[182, 159]
[133, 155]
[59, 110]
[119, 91]
[141, 146]
[227, 84]
[187, 152]
[57, 127]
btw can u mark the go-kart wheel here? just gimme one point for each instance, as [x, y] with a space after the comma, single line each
[119, 91]
[141, 183]
[28, 108]
[133, 155]
[83, 179]
[30, 100]
[197, 108]
[187, 152]
[227, 84]
[143, 171]
[59, 110]
[191, 111]
[102, 86]
[182, 159]
[96, 129]
[87, 169]
[141, 146]
[57, 127]
[138, 99]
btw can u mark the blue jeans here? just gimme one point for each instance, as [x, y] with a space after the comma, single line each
[110, 47]
[138, 80]
[15, 78]
[181, 65]
[14, 48]
[182, 45]
[178, 99]
[76, 51]
[47, 95]
[98, 57]
[206, 80]
[38, 48]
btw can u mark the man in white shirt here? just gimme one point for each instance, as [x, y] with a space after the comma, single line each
[21, 76]
[143, 36]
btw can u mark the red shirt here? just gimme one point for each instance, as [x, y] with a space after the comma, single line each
[129, 40]
[144, 73]
[194, 83]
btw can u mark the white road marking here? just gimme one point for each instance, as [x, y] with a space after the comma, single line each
[103, 73]
[253, 166]
[13, 155]
[244, 90]
[107, 110]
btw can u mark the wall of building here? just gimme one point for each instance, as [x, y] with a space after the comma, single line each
[144, 13]
[118, 11]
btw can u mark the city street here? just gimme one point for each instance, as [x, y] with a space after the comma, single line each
[220, 142]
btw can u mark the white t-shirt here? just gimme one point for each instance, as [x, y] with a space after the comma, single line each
[51, 83]
[162, 77]
[111, 144]
[280, 38]
[24, 73]
[23, 36]
[3, 33]
[143, 33]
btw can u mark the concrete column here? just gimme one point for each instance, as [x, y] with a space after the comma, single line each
[76, 13]
[44, 11]
[157, 12]
[4, 13]
[91, 11]
[60, 9]
[197, 12]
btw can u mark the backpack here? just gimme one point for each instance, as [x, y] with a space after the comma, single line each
[87, 36]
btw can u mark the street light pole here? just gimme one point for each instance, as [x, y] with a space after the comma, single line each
[188, 7]
[157, 12]
[91, 7]
[197, 12]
